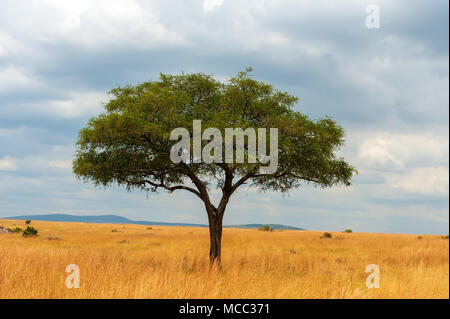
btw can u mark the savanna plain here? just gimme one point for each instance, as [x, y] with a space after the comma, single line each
[135, 261]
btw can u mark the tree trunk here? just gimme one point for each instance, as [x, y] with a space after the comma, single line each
[215, 235]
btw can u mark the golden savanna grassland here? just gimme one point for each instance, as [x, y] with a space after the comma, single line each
[131, 261]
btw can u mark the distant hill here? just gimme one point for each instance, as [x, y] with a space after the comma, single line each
[273, 226]
[114, 219]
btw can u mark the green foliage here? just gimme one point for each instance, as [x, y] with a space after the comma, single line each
[15, 230]
[266, 228]
[30, 232]
[444, 237]
[149, 228]
[326, 235]
[28, 222]
[129, 143]
[348, 231]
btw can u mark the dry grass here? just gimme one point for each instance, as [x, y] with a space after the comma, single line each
[172, 262]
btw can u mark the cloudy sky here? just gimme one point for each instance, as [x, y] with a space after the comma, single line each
[387, 86]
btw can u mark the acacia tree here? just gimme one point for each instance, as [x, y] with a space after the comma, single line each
[129, 143]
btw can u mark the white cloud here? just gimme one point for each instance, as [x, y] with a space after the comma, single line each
[8, 45]
[13, 78]
[390, 151]
[92, 24]
[428, 180]
[7, 164]
[75, 104]
[411, 163]
[60, 164]
[377, 152]
[210, 5]
[78, 104]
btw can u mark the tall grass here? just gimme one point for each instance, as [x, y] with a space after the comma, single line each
[172, 262]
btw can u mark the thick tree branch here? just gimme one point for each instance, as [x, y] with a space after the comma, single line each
[202, 190]
[308, 179]
[240, 182]
[162, 185]
[174, 188]
[226, 191]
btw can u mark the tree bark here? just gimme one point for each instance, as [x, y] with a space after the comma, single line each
[215, 235]
[215, 217]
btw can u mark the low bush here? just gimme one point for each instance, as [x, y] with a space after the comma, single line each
[53, 238]
[30, 232]
[266, 228]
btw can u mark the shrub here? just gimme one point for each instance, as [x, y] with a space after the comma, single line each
[348, 231]
[15, 230]
[444, 237]
[113, 230]
[419, 237]
[30, 232]
[149, 228]
[28, 222]
[266, 228]
[326, 235]
[53, 238]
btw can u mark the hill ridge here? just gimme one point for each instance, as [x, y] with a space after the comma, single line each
[115, 219]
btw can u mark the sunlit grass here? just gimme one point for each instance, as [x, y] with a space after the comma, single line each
[172, 262]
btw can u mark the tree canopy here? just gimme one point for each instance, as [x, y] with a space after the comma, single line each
[129, 143]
